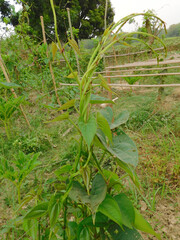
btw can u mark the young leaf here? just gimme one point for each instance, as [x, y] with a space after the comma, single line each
[113, 180]
[54, 49]
[9, 85]
[95, 99]
[86, 177]
[67, 105]
[104, 83]
[62, 170]
[72, 75]
[104, 125]
[74, 45]
[38, 211]
[88, 129]
[61, 117]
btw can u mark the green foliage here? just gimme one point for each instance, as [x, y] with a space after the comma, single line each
[90, 22]
[19, 169]
[173, 30]
[7, 109]
[82, 199]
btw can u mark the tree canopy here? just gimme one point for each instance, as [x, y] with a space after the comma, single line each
[174, 30]
[86, 15]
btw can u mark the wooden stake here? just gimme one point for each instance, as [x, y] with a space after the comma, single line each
[109, 82]
[5, 72]
[72, 37]
[50, 65]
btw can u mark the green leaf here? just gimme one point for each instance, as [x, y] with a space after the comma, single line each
[96, 196]
[127, 210]
[72, 75]
[120, 119]
[97, 143]
[112, 180]
[130, 171]
[84, 103]
[38, 211]
[121, 147]
[54, 50]
[67, 105]
[86, 173]
[108, 114]
[62, 170]
[104, 83]
[54, 211]
[74, 45]
[109, 207]
[95, 99]
[117, 233]
[9, 85]
[61, 117]
[104, 125]
[141, 224]
[88, 129]
[72, 233]
[31, 228]
[100, 221]
[84, 235]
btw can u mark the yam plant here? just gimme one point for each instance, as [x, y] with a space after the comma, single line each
[87, 199]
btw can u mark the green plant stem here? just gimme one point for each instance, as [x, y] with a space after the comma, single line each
[89, 157]
[19, 194]
[97, 163]
[6, 129]
[104, 153]
[79, 155]
[39, 230]
[74, 124]
[65, 220]
[59, 43]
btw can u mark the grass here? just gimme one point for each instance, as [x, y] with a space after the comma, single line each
[152, 127]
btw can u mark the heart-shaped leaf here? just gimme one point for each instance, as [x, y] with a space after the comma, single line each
[88, 129]
[96, 196]
[104, 125]
[109, 207]
[116, 232]
[121, 147]
[127, 210]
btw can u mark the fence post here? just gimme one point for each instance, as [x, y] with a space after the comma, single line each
[109, 82]
[162, 81]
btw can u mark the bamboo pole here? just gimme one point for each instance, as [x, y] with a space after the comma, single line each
[125, 85]
[5, 72]
[72, 37]
[143, 75]
[105, 15]
[50, 65]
